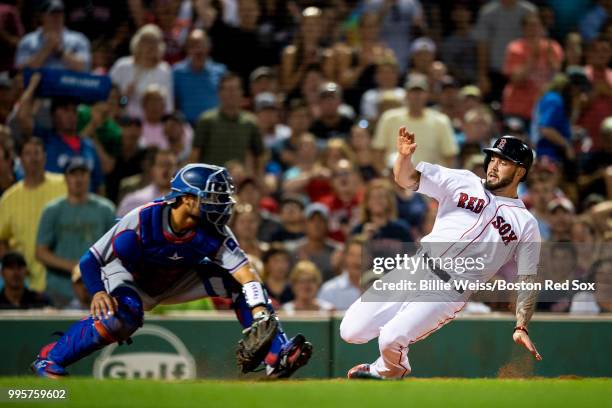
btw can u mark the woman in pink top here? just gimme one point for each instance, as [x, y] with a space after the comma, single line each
[530, 63]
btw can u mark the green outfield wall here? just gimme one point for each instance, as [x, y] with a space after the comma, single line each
[202, 345]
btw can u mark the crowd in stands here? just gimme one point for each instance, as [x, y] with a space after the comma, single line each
[301, 101]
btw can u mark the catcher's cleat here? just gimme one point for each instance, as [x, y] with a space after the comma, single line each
[293, 355]
[362, 372]
[43, 367]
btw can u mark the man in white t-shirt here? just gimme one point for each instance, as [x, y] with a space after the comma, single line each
[482, 220]
[437, 143]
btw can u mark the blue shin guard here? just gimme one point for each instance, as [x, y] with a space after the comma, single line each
[88, 335]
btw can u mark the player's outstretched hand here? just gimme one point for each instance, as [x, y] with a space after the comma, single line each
[102, 305]
[405, 142]
[521, 338]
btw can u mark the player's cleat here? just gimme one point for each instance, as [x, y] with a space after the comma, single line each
[43, 367]
[362, 372]
[292, 356]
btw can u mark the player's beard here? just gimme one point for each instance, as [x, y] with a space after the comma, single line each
[501, 182]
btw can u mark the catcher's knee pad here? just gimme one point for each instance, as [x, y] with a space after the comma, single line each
[129, 316]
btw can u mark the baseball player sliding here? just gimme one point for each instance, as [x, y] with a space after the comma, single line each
[476, 218]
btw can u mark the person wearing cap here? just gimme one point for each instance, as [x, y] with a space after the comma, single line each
[422, 55]
[228, 132]
[551, 126]
[332, 122]
[263, 79]
[316, 246]
[22, 204]
[196, 78]
[268, 114]
[530, 63]
[68, 226]
[477, 129]
[437, 146]
[52, 45]
[15, 294]
[561, 213]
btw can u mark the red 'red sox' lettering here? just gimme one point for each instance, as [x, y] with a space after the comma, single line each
[504, 229]
[473, 204]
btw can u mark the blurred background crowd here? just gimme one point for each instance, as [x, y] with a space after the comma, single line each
[301, 101]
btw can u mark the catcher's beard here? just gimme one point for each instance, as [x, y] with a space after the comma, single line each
[501, 182]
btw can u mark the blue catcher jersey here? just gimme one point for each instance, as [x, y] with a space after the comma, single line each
[156, 256]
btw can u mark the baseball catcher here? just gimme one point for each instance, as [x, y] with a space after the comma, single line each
[174, 250]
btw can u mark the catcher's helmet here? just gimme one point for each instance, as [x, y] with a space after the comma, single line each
[212, 185]
[513, 149]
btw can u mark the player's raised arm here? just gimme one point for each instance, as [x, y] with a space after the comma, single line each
[405, 174]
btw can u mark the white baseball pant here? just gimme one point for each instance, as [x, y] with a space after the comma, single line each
[397, 325]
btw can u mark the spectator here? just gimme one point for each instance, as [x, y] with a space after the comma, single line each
[331, 121]
[379, 219]
[499, 23]
[585, 240]
[541, 193]
[572, 50]
[357, 66]
[459, 50]
[437, 143]
[243, 48]
[228, 133]
[471, 97]
[590, 303]
[316, 245]
[196, 79]
[306, 51]
[7, 173]
[164, 167]
[292, 222]
[560, 265]
[68, 227]
[15, 294]
[597, 166]
[599, 106]
[561, 214]
[129, 160]
[551, 128]
[144, 67]
[450, 102]
[98, 20]
[7, 98]
[52, 45]
[361, 145]
[276, 267]
[249, 192]
[530, 63]
[99, 124]
[268, 114]
[423, 57]
[21, 207]
[305, 282]
[344, 201]
[63, 141]
[165, 15]
[299, 121]
[345, 288]
[12, 31]
[245, 224]
[178, 136]
[593, 21]
[263, 79]
[477, 131]
[386, 77]
[308, 175]
[398, 20]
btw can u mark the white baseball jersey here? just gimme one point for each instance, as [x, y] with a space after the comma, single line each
[472, 222]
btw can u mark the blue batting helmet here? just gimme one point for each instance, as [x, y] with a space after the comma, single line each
[212, 185]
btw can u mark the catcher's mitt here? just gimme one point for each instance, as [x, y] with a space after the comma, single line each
[256, 342]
